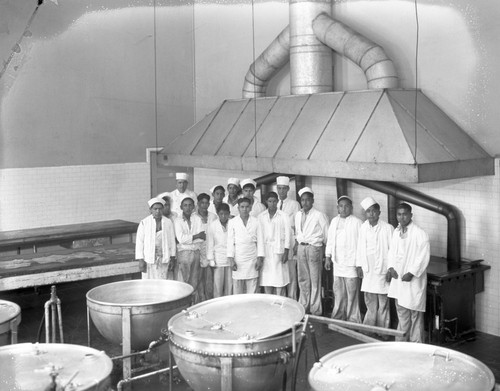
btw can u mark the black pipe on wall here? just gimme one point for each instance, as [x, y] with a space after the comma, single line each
[415, 197]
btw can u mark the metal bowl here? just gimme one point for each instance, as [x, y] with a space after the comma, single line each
[241, 342]
[28, 367]
[10, 318]
[399, 366]
[151, 302]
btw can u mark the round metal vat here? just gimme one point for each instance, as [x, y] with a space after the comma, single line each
[399, 366]
[240, 342]
[28, 367]
[151, 303]
[10, 318]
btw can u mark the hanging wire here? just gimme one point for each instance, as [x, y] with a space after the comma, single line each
[416, 76]
[193, 48]
[254, 79]
[155, 74]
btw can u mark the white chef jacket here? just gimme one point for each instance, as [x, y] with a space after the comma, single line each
[409, 254]
[371, 255]
[257, 207]
[217, 243]
[315, 230]
[343, 252]
[177, 198]
[233, 209]
[146, 236]
[245, 244]
[184, 234]
[290, 207]
[276, 231]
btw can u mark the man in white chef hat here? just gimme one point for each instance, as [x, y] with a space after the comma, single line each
[290, 207]
[408, 258]
[312, 229]
[371, 261]
[182, 180]
[233, 194]
[341, 248]
[248, 187]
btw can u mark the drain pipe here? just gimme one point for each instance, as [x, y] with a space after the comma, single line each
[272, 59]
[369, 56]
[426, 202]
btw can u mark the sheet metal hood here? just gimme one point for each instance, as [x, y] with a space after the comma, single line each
[358, 134]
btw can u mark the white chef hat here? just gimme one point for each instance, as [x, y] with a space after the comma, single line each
[213, 188]
[283, 181]
[181, 176]
[248, 181]
[367, 202]
[344, 197]
[187, 197]
[305, 190]
[155, 200]
[233, 181]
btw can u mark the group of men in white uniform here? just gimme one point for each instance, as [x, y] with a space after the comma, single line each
[245, 244]
[390, 263]
[286, 245]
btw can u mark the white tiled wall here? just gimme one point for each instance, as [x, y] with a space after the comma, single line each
[37, 197]
[46, 196]
[477, 199]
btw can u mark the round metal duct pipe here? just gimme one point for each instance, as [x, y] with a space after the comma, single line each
[311, 62]
[426, 202]
[272, 59]
[370, 57]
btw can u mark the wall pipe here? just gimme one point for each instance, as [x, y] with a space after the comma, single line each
[272, 59]
[392, 204]
[426, 202]
[369, 56]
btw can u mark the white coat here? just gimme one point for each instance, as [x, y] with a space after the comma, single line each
[375, 268]
[277, 233]
[245, 244]
[348, 249]
[410, 254]
[146, 236]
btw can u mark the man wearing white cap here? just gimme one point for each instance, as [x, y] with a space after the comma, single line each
[311, 226]
[274, 275]
[155, 243]
[245, 249]
[218, 193]
[233, 194]
[341, 247]
[190, 235]
[178, 194]
[408, 258]
[371, 261]
[290, 207]
[248, 187]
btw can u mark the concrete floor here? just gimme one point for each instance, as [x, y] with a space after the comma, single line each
[484, 347]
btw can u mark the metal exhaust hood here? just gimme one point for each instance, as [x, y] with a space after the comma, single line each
[372, 134]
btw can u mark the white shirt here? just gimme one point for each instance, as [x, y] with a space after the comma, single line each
[409, 252]
[177, 198]
[257, 207]
[233, 209]
[217, 243]
[145, 240]
[315, 229]
[290, 207]
[276, 230]
[184, 233]
[341, 245]
[245, 244]
[371, 255]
